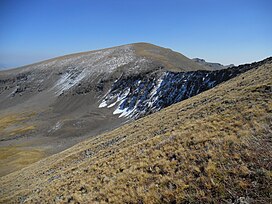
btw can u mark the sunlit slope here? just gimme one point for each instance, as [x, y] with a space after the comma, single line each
[214, 147]
[174, 61]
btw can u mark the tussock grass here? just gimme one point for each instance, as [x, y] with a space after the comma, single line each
[215, 147]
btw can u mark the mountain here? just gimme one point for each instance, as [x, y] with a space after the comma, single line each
[49, 106]
[215, 147]
[211, 65]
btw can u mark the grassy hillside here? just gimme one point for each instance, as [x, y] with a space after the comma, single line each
[214, 147]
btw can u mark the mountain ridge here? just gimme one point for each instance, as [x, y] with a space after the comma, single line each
[138, 46]
[212, 65]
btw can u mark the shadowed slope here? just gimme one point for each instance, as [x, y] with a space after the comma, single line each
[214, 147]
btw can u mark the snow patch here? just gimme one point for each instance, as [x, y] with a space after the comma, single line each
[155, 89]
[69, 79]
[103, 104]
[119, 97]
[123, 112]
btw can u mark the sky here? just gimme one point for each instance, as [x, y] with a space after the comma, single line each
[224, 31]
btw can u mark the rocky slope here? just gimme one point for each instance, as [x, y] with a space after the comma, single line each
[212, 148]
[50, 106]
[211, 65]
[141, 95]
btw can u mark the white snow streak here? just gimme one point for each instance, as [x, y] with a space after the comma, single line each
[103, 104]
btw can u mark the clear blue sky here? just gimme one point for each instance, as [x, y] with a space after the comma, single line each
[225, 31]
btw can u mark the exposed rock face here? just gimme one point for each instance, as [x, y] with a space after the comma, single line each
[211, 65]
[143, 94]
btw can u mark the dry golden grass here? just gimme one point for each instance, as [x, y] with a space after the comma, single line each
[171, 60]
[22, 130]
[213, 148]
[10, 119]
[14, 158]
[12, 124]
